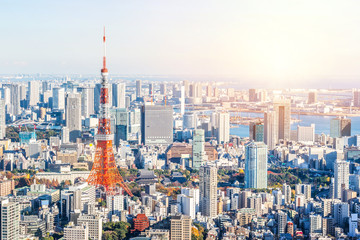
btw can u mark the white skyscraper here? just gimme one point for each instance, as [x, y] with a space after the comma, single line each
[182, 108]
[287, 193]
[65, 135]
[256, 165]
[303, 189]
[187, 205]
[6, 95]
[208, 189]
[118, 91]
[353, 225]
[115, 204]
[223, 127]
[87, 101]
[58, 98]
[306, 133]
[138, 89]
[14, 108]
[195, 194]
[282, 220]
[10, 217]
[277, 123]
[33, 93]
[73, 115]
[283, 114]
[315, 224]
[94, 223]
[2, 119]
[270, 129]
[341, 176]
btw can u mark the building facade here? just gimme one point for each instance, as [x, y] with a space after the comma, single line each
[208, 191]
[256, 165]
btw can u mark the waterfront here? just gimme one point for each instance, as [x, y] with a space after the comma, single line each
[322, 124]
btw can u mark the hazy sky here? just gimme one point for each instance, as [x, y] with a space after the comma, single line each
[272, 42]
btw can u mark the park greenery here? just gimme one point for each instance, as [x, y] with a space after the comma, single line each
[116, 230]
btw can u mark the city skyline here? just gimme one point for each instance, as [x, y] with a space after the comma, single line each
[268, 43]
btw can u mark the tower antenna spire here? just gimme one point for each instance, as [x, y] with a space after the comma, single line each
[104, 69]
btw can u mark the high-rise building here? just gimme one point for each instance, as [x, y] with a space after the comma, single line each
[252, 95]
[340, 127]
[180, 227]
[58, 98]
[189, 120]
[33, 93]
[186, 205]
[223, 127]
[65, 138]
[209, 90]
[353, 225]
[138, 89]
[208, 189]
[287, 193]
[185, 84]
[306, 133]
[118, 91]
[216, 92]
[151, 89]
[270, 129]
[157, 125]
[356, 98]
[125, 124]
[195, 194]
[304, 189]
[281, 220]
[45, 86]
[198, 148]
[193, 90]
[163, 89]
[73, 115]
[182, 99]
[341, 177]
[10, 217]
[14, 107]
[256, 131]
[115, 204]
[2, 119]
[256, 165]
[341, 213]
[254, 202]
[94, 224]
[315, 224]
[97, 92]
[87, 101]
[312, 97]
[119, 124]
[283, 115]
[6, 187]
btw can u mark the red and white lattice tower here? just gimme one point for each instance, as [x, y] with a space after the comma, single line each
[104, 173]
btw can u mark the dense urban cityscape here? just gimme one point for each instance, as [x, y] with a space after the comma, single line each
[185, 176]
[219, 145]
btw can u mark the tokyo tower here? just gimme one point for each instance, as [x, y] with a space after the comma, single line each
[104, 172]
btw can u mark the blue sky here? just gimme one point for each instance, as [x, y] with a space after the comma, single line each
[277, 41]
